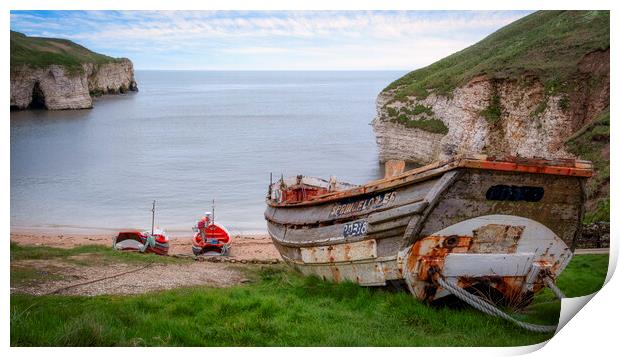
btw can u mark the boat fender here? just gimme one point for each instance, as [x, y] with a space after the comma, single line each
[150, 242]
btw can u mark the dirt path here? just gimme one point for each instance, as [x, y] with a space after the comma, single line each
[155, 277]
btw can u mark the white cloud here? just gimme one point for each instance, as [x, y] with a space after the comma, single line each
[377, 39]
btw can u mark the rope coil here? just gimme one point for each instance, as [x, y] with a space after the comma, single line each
[490, 309]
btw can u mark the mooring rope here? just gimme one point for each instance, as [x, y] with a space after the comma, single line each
[99, 279]
[551, 285]
[490, 309]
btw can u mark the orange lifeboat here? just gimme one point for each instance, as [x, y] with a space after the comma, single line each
[210, 238]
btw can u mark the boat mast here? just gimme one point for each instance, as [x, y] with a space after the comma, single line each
[153, 219]
[213, 211]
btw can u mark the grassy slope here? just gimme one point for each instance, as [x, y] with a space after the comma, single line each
[40, 52]
[592, 143]
[281, 308]
[546, 44]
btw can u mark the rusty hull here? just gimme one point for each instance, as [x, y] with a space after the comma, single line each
[395, 228]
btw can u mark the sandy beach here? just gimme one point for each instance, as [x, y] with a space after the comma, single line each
[245, 247]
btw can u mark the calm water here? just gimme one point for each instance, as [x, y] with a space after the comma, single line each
[188, 137]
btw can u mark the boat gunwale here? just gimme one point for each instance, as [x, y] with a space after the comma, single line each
[579, 168]
[341, 220]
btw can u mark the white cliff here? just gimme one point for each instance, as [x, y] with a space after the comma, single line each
[531, 123]
[54, 87]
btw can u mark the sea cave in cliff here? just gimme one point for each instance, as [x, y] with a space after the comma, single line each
[38, 98]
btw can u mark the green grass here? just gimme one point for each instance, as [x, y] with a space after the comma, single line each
[420, 109]
[600, 213]
[25, 275]
[281, 309]
[40, 52]
[547, 45]
[541, 107]
[420, 117]
[591, 143]
[493, 112]
[96, 255]
[432, 125]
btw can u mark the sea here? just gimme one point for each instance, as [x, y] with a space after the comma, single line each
[188, 139]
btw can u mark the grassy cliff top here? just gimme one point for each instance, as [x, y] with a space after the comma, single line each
[41, 51]
[545, 44]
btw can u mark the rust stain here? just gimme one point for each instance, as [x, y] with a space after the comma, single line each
[335, 273]
[347, 250]
[429, 253]
[509, 289]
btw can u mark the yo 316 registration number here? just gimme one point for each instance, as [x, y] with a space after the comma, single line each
[355, 229]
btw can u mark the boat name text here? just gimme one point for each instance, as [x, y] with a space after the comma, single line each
[375, 202]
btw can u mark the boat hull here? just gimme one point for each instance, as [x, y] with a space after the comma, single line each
[211, 240]
[370, 236]
[136, 241]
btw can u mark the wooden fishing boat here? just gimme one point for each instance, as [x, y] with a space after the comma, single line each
[479, 223]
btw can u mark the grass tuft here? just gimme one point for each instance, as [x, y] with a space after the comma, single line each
[493, 112]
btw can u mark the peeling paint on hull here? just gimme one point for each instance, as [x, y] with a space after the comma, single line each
[439, 219]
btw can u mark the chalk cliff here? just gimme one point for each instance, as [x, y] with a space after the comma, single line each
[59, 74]
[529, 90]
[530, 123]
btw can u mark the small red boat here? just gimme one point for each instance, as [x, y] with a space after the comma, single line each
[210, 238]
[156, 242]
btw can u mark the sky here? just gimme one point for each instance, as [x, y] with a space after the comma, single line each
[269, 40]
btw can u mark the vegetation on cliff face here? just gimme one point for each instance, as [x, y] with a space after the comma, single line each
[592, 143]
[40, 52]
[562, 56]
[420, 117]
[547, 45]
[493, 112]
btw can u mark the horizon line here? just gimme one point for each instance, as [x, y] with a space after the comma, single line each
[272, 70]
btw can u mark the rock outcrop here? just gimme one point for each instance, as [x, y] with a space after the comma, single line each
[538, 87]
[56, 87]
[529, 121]
[521, 91]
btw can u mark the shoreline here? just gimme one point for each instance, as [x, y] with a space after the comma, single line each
[245, 246]
[85, 231]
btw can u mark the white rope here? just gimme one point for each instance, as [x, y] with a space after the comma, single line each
[487, 308]
[551, 285]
